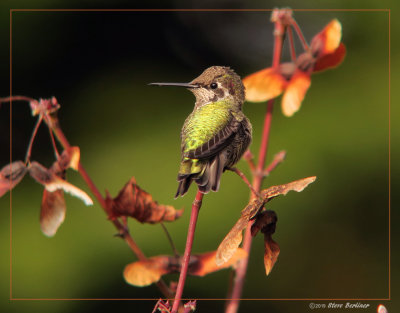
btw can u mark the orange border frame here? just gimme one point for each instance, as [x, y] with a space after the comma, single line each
[198, 10]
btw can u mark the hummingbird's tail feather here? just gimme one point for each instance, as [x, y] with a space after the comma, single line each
[208, 179]
[184, 184]
[215, 171]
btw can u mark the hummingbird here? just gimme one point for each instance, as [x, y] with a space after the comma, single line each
[217, 133]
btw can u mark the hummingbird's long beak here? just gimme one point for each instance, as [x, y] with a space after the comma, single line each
[186, 85]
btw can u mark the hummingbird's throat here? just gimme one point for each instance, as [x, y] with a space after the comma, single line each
[205, 96]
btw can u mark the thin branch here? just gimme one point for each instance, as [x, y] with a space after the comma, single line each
[34, 133]
[53, 142]
[246, 181]
[278, 159]
[16, 98]
[188, 249]
[291, 44]
[171, 242]
[300, 34]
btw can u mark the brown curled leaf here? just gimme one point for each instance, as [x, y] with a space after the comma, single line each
[53, 182]
[232, 240]
[11, 175]
[133, 201]
[266, 223]
[271, 253]
[52, 212]
[297, 185]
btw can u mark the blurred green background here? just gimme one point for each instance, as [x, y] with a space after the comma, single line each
[333, 236]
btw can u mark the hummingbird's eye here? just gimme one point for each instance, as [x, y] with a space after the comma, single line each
[213, 85]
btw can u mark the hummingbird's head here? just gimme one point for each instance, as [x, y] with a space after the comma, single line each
[218, 83]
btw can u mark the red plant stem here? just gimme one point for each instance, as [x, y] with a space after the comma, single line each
[16, 98]
[291, 44]
[241, 270]
[53, 142]
[188, 249]
[278, 159]
[300, 34]
[35, 130]
[246, 181]
[54, 125]
[169, 238]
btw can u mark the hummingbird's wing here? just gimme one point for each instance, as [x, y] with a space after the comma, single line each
[218, 142]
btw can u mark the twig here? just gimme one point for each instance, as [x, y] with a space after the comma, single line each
[35, 130]
[16, 98]
[171, 242]
[188, 249]
[53, 142]
[246, 181]
[300, 34]
[278, 159]
[291, 44]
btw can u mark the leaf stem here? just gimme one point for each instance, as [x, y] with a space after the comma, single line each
[291, 44]
[34, 133]
[300, 34]
[53, 142]
[171, 242]
[188, 249]
[246, 181]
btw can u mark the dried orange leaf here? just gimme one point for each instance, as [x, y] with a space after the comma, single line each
[295, 92]
[52, 212]
[264, 85]
[144, 273]
[271, 253]
[232, 240]
[297, 185]
[69, 158]
[266, 222]
[52, 182]
[206, 262]
[330, 60]
[11, 175]
[328, 40]
[135, 202]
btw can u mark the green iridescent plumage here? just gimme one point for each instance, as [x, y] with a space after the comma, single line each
[217, 133]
